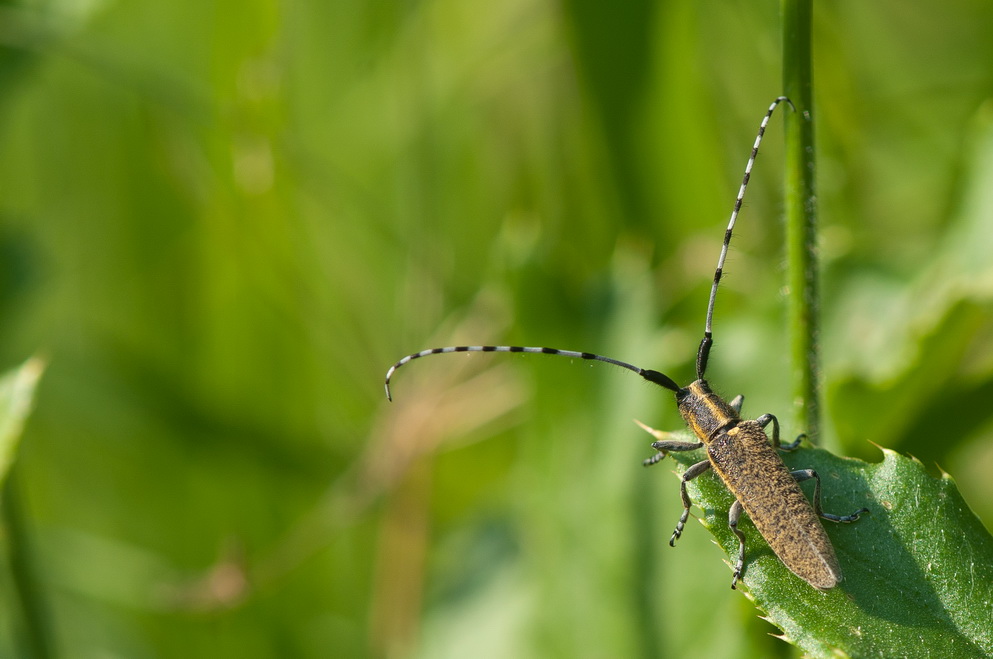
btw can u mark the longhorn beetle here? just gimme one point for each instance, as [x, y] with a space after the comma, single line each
[738, 450]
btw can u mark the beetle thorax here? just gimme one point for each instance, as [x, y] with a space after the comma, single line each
[706, 413]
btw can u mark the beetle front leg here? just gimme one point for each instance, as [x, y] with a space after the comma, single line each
[664, 445]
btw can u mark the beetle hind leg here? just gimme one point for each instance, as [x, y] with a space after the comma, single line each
[805, 474]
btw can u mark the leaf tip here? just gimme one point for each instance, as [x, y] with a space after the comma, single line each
[887, 452]
[944, 474]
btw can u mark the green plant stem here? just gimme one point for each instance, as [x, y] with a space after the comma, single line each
[801, 216]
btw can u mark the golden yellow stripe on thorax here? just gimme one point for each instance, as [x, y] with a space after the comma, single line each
[709, 412]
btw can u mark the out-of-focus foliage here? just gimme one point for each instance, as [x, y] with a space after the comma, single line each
[16, 398]
[22, 621]
[221, 222]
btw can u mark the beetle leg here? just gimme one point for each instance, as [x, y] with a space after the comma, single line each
[648, 462]
[792, 446]
[665, 446]
[764, 421]
[688, 475]
[734, 514]
[805, 474]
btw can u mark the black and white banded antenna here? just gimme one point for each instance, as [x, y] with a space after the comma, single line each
[708, 333]
[652, 376]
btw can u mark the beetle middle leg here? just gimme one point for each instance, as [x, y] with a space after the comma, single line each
[688, 475]
[665, 446]
[805, 474]
[764, 421]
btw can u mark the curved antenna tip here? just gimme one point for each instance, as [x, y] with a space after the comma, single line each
[786, 99]
[389, 374]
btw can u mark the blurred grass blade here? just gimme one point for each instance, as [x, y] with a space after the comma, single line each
[16, 397]
[17, 390]
[918, 569]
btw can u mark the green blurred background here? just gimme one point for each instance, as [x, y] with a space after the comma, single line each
[221, 222]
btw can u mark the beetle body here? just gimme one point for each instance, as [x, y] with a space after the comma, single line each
[741, 454]
[757, 477]
[738, 450]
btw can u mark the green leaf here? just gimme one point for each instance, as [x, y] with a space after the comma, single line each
[918, 569]
[16, 396]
